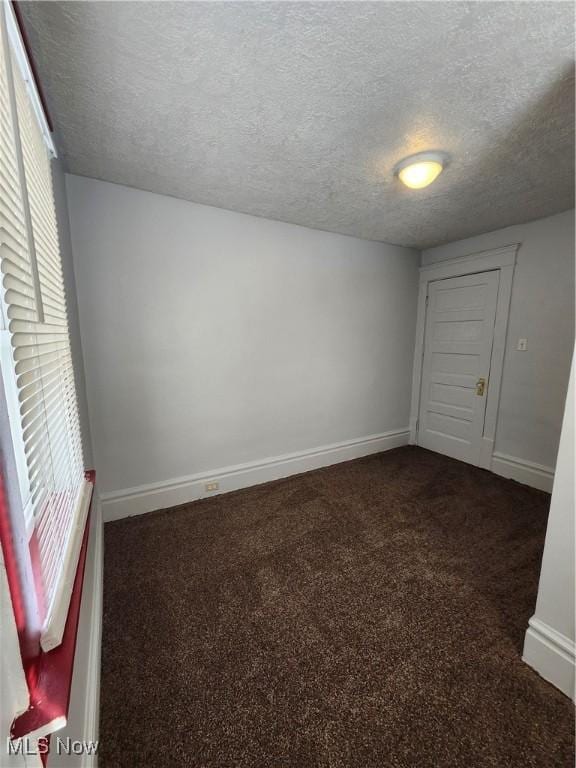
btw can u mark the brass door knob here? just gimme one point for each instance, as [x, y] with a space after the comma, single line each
[480, 387]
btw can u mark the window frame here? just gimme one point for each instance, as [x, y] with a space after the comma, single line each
[56, 458]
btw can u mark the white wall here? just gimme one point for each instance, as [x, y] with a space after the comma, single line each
[549, 644]
[542, 310]
[213, 338]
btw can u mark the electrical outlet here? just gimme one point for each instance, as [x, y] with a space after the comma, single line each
[212, 486]
[522, 345]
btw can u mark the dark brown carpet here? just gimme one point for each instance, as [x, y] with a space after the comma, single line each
[367, 614]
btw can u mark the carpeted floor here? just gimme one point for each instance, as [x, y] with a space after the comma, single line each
[370, 614]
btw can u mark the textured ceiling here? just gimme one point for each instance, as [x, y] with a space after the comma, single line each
[299, 111]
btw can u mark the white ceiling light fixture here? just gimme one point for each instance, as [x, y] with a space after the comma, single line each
[418, 171]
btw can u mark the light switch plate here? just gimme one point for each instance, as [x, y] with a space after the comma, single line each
[522, 345]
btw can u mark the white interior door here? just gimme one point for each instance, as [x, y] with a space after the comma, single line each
[458, 339]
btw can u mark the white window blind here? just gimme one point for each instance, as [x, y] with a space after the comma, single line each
[55, 491]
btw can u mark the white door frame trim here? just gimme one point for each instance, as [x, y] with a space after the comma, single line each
[503, 259]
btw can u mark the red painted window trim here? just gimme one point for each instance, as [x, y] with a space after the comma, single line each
[49, 675]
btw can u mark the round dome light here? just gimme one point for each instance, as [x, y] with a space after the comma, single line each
[418, 171]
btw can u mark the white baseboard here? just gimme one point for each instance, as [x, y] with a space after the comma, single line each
[525, 472]
[146, 498]
[551, 654]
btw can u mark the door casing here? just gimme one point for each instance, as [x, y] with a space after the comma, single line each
[503, 259]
